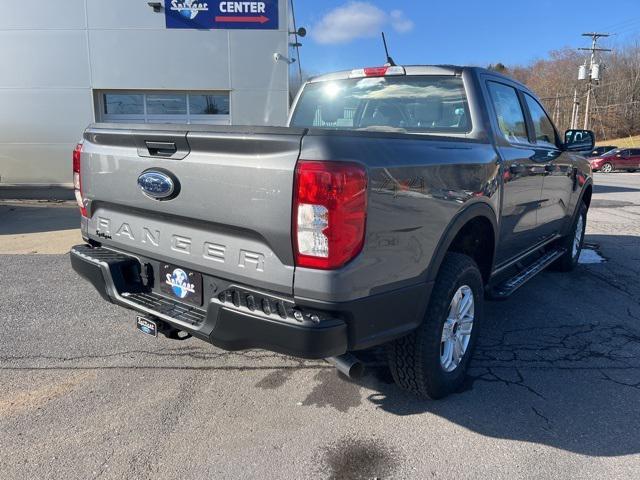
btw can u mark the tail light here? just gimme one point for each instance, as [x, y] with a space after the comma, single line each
[329, 213]
[77, 182]
[377, 71]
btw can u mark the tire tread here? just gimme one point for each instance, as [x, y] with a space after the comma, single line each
[406, 355]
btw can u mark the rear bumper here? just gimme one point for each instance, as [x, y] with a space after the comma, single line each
[237, 317]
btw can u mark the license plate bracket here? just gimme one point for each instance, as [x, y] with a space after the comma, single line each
[146, 326]
[181, 283]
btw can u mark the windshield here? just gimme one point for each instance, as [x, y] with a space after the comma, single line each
[418, 104]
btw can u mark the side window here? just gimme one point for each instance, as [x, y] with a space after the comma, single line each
[545, 133]
[509, 112]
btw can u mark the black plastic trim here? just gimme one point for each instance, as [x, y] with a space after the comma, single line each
[306, 328]
[239, 331]
[224, 326]
[90, 272]
[380, 318]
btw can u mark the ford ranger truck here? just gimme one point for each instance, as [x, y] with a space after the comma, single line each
[395, 201]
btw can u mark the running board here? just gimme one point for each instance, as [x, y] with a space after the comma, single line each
[509, 286]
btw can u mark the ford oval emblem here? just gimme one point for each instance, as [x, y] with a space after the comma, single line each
[157, 184]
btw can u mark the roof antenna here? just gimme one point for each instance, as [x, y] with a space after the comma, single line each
[390, 62]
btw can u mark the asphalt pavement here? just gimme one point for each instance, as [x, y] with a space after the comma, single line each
[553, 392]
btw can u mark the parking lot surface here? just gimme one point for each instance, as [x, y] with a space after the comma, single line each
[554, 388]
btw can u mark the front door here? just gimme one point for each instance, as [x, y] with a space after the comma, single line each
[522, 175]
[558, 173]
[621, 159]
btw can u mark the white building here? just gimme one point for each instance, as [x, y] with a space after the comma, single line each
[65, 64]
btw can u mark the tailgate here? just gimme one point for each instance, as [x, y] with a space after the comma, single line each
[231, 216]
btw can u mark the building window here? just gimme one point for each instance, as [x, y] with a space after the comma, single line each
[127, 104]
[163, 107]
[209, 104]
[166, 104]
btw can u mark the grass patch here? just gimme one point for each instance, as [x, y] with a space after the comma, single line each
[622, 142]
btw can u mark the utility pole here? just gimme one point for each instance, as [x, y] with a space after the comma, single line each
[574, 111]
[556, 109]
[594, 42]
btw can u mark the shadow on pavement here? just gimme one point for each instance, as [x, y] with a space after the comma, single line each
[557, 364]
[20, 218]
[613, 189]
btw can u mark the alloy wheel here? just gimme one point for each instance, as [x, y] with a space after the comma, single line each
[577, 238]
[456, 331]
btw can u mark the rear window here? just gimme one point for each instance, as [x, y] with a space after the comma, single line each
[416, 104]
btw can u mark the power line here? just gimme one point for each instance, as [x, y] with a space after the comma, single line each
[557, 96]
[615, 82]
[620, 25]
[628, 28]
[617, 104]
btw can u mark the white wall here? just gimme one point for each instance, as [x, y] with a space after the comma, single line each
[54, 54]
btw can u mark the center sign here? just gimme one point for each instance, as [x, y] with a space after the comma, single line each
[218, 14]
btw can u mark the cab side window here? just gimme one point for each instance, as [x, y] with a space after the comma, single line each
[509, 112]
[544, 131]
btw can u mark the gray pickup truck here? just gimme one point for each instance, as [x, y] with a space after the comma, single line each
[394, 203]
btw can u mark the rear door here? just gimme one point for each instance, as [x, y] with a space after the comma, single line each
[629, 159]
[231, 215]
[522, 175]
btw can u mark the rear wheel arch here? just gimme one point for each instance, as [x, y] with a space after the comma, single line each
[472, 232]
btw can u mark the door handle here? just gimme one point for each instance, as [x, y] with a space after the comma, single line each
[161, 149]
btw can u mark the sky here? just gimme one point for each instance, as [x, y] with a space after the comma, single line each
[345, 34]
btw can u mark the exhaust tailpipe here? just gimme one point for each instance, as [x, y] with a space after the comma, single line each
[348, 365]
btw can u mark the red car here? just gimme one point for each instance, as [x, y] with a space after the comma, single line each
[619, 159]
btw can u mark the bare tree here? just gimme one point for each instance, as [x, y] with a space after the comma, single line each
[616, 100]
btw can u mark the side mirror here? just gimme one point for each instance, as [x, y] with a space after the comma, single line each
[579, 140]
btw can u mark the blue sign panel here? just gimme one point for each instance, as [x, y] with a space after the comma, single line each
[218, 14]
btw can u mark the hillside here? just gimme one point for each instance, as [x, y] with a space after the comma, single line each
[623, 142]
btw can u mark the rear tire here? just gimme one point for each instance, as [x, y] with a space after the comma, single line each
[606, 168]
[573, 242]
[423, 362]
